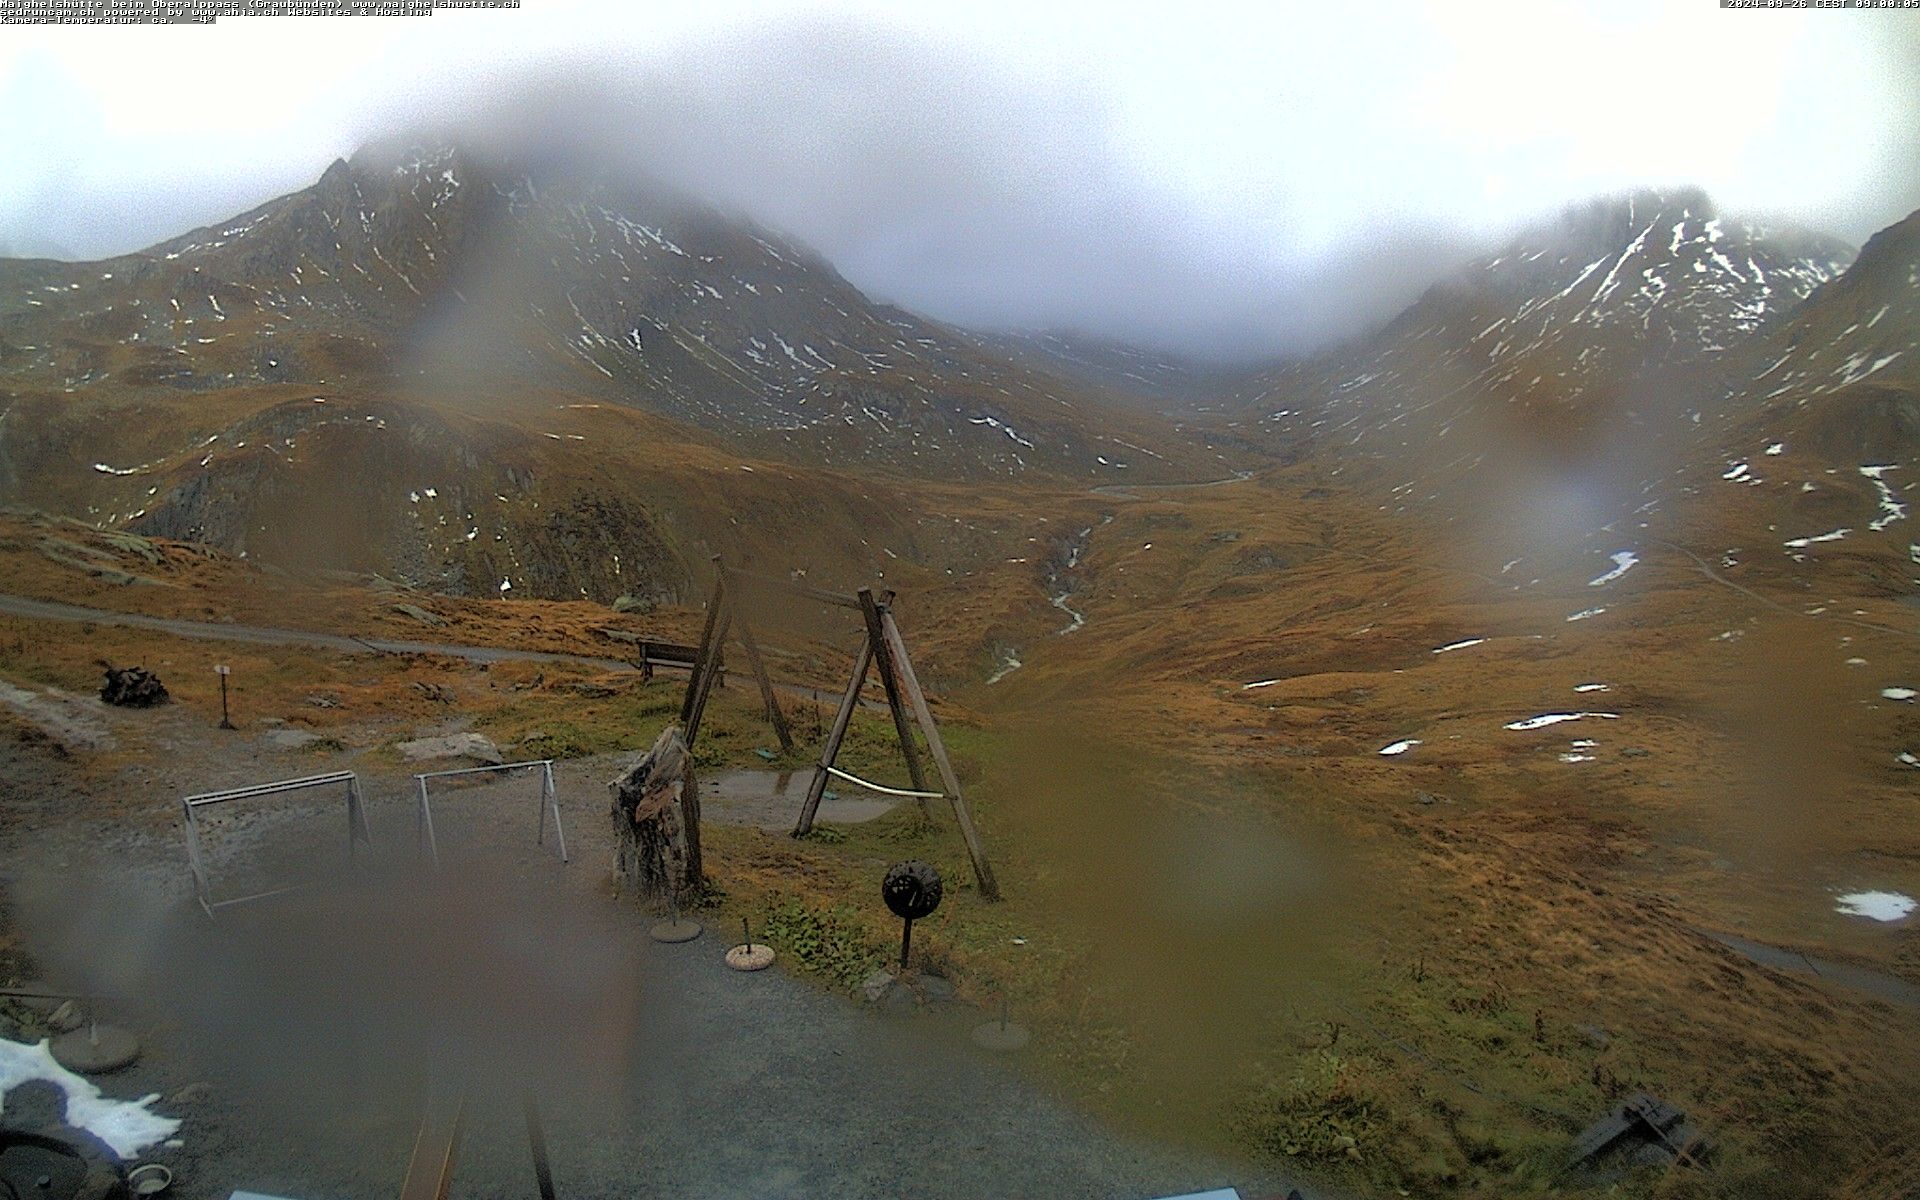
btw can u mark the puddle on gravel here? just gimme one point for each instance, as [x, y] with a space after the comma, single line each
[772, 799]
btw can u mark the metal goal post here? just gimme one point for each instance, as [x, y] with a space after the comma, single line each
[548, 805]
[357, 831]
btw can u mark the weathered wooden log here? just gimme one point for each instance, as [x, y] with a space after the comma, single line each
[132, 687]
[656, 820]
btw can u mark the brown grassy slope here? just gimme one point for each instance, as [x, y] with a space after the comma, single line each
[1748, 776]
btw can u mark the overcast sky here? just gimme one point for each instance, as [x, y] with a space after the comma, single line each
[1222, 178]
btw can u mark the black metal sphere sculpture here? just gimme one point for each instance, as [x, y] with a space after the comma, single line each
[911, 889]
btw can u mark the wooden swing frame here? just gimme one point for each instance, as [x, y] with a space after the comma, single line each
[883, 647]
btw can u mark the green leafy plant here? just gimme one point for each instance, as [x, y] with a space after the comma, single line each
[822, 941]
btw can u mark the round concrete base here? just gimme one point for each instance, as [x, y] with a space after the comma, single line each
[750, 958]
[995, 1036]
[95, 1049]
[682, 930]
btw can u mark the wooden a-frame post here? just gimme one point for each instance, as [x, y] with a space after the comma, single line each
[694, 693]
[768, 701]
[707, 663]
[976, 849]
[889, 679]
[850, 700]
[882, 645]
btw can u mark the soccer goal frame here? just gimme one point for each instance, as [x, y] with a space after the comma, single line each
[358, 832]
[549, 805]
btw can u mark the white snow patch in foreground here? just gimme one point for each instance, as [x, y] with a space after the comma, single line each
[1458, 645]
[1879, 906]
[1546, 719]
[1258, 683]
[1623, 562]
[1585, 613]
[1897, 693]
[1400, 747]
[126, 1126]
[1592, 687]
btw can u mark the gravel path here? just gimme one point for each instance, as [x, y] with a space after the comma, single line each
[659, 1071]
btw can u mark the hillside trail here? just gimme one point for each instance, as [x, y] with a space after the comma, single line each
[1705, 569]
[1125, 491]
[222, 631]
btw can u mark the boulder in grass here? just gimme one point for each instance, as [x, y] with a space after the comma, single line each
[419, 614]
[133, 687]
[466, 747]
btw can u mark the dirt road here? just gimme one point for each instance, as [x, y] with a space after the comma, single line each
[48, 610]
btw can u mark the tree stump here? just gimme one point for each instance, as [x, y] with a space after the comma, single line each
[656, 821]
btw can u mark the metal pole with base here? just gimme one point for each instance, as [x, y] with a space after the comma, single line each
[1002, 1034]
[223, 670]
[747, 956]
[676, 928]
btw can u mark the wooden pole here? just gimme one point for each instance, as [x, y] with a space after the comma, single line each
[712, 672]
[831, 747]
[707, 645]
[537, 1142]
[883, 658]
[774, 716]
[976, 850]
[435, 1147]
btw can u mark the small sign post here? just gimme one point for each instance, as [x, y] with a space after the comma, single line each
[223, 670]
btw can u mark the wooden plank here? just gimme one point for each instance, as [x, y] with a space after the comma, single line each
[831, 748]
[976, 850]
[883, 658]
[671, 652]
